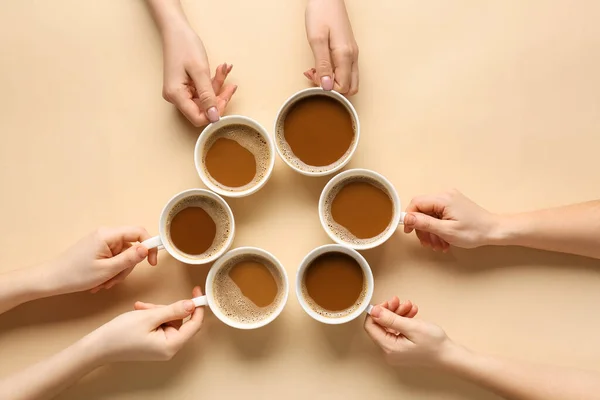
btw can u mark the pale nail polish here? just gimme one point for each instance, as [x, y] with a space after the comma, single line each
[212, 114]
[326, 83]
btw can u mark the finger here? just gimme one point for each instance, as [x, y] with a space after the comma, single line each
[127, 259]
[403, 308]
[323, 65]
[205, 94]
[140, 305]
[393, 303]
[426, 223]
[342, 60]
[413, 311]
[390, 320]
[436, 242]
[354, 80]
[445, 245]
[193, 325]
[122, 234]
[197, 292]
[429, 204]
[376, 332]
[185, 103]
[424, 238]
[172, 312]
[225, 96]
[220, 76]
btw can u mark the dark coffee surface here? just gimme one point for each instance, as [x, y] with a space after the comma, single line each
[364, 209]
[192, 230]
[255, 281]
[334, 281]
[318, 130]
[230, 163]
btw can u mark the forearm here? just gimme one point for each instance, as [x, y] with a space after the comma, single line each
[168, 14]
[49, 377]
[521, 381]
[571, 229]
[23, 285]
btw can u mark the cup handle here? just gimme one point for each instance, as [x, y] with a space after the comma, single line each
[153, 242]
[402, 215]
[200, 301]
[369, 309]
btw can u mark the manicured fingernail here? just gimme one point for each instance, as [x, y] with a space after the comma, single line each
[224, 68]
[234, 90]
[212, 114]
[376, 312]
[188, 306]
[410, 219]
[326, 83]
[141, 251]
[229, 68]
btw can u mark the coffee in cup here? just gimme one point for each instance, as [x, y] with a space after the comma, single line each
[360, 208]
[334, 284]
[246, 288]
[234, 156]
[196, 227]
[316, 131]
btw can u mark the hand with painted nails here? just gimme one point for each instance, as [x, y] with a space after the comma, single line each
[449, 218]
[405, 340]
[187, 81]
[333, 45]
[102, 259]
[150, 333]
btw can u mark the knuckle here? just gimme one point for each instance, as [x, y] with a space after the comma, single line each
[204, 96]
[169, 93]
[346, 51]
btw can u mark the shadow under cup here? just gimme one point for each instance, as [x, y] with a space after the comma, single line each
[285, 151]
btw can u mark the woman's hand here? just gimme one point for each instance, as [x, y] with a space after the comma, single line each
[331, 39]
[100, 260]
[150, 333]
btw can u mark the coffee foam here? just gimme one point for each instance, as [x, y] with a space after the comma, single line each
[338, 230]
[230, 300]
[219, 215]
[334, 314]
[289, 155]
[250, 139]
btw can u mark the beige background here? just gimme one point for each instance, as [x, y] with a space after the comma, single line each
[499, 99]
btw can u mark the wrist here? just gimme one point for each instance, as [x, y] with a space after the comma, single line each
[452, 356]
[168, 15]
[503, 231]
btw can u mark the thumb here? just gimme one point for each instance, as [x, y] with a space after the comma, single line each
[207, 100]
[323, 63]
[426, 223]
[172, 312]
[127, 259]
[391, 320]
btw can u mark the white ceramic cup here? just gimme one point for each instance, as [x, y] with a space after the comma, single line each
[397, 218]
[209, 131]
[209, 300]
[368, 275]
[162, 240]
[280, 142]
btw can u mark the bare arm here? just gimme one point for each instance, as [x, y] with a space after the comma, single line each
[51, 376]
[571, 229]
[23, 285]
[517, 380]
[452, 219]
[408, 342]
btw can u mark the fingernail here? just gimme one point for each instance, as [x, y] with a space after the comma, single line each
[230, 68]
[326, 83]
[410, 219]
[212, 114]
[234, 90]
[141, 251]
[224, 68]
[188, 306]
[376, 312]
